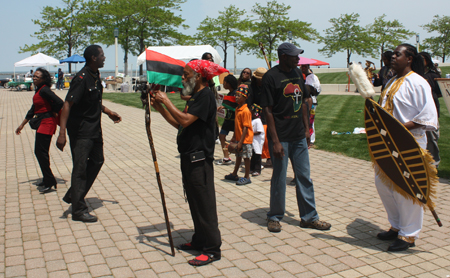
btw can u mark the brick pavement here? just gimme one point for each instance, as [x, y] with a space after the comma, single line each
[38, 238]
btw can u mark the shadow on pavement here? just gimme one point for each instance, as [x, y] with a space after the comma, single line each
[93, 204]
[363, 233]
[154, 235]
[259, 216]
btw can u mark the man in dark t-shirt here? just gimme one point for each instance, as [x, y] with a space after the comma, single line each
[81, 115]
[196, 141]
[284, 100]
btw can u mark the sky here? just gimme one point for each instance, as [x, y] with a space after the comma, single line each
[17, 25]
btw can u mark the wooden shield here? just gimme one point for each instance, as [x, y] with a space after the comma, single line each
[397, 154]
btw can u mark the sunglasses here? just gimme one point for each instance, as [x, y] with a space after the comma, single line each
[247, 72]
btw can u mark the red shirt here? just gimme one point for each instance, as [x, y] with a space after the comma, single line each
[44, 100]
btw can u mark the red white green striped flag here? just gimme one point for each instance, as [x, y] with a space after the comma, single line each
[164, 70]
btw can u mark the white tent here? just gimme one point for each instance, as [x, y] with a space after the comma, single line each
[183, 52]
[37, 60]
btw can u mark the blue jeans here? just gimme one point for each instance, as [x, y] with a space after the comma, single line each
[297, 151]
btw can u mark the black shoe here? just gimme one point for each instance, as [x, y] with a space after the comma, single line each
[41, 184]
[188, 246]
[388, 235]
[400, 245]
[67, 199]
[86, 217]
[46, 189]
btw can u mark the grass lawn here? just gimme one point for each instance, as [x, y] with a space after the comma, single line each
[334, 113]
[344, 113]
[133, 99]
[342, 78]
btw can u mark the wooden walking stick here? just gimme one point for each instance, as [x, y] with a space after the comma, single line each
[158, 177]
[261, 46]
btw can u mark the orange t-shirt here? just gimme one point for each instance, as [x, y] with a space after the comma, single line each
[243, 119]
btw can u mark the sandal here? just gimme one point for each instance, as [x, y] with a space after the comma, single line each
[232, 177]
[243, 181]
[203, 259]
[316, 224]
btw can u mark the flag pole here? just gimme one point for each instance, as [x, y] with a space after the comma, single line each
[158, 177]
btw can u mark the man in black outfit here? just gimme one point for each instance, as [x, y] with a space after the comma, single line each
[81, 114]
[196, 141]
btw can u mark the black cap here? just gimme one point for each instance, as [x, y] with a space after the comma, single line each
[289, 49]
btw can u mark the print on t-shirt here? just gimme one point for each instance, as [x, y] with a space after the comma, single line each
[294, 91]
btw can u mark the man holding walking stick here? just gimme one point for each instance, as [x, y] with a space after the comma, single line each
[196, 141]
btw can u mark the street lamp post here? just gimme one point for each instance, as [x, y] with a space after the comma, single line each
[290, 36]
[116, 37]
[417, 41]
[234, 45]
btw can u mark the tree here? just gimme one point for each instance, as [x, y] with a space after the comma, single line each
[223, 31]
[439, 45]
[271, 28]
[63, 30]
[346, 35]
[141, 23]
[387, 35]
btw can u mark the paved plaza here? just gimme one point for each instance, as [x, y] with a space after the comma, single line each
[39, 239]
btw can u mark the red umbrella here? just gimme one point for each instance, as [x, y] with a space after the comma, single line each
[304, 61]
[319, 63]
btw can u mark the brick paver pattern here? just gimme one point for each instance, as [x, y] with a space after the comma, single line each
[39, 239]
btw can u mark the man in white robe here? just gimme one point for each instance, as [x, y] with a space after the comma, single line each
[413, 102]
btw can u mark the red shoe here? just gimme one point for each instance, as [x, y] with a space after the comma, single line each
[203, 259]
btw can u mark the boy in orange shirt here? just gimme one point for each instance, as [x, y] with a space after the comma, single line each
[243, 134]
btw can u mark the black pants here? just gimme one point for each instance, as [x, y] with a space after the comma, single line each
[255, 162]
[198, 182]
[87, 157]
[41, 150]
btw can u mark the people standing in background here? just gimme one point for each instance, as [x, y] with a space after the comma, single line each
[60, 81]
[254, 91]
[313, 84]
[29, 74]
[258, 140]
[386, 72]
[430, 74]
[245, 77]
[230, 84]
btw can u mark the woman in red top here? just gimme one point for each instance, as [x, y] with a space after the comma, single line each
[44, 102]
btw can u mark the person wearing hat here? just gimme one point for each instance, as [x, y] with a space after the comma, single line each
[196, 141]
[243, 134]
[284, 99]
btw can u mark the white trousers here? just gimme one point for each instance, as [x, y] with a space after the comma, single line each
[403, 214]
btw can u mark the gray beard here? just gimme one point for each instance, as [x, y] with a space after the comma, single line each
[188, 87]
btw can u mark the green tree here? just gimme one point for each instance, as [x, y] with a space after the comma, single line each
[271, 28]
[155, 24]
[386, 35]
[346, 35]
[109, 15]
[438, 45]
[223, 31]
[141, 23]
[63, 30]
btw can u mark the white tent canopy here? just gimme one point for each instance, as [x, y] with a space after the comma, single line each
[183, 52]
[37, 60]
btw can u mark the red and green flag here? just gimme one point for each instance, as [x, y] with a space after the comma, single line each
[164, 70]
[229, 102]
